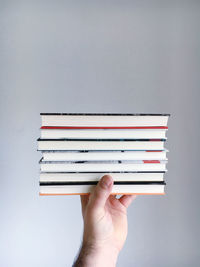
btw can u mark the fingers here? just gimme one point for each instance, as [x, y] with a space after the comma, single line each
[101, 192]
[126, 200]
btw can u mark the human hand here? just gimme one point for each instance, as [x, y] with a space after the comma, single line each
[105, 225]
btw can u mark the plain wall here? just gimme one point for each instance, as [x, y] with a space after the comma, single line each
[98, 56]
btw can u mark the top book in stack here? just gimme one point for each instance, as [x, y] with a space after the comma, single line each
[104, 120]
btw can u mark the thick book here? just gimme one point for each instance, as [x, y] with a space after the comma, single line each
[103, 155]
[103, 119]
[96, 176]
[111, 144]
[118, 188]
[57, 133]
[102, 166]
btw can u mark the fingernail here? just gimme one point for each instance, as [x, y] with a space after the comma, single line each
[106, 182]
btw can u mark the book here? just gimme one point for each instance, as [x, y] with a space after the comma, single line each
[95, 176]
[59, 133]
[112, 144]
[102, 166]
[103, 119]
[103, 155]
[126, 188]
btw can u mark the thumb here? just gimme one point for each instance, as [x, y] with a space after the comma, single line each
[101, 192]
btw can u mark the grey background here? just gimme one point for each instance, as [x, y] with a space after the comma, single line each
[98, 56]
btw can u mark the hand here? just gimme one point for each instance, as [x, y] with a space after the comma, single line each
[105, 225]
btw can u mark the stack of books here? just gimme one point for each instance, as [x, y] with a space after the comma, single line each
[79, 148]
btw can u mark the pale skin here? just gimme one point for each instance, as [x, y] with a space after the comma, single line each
[105, 225]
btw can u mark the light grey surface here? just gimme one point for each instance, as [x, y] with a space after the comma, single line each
[98, 56]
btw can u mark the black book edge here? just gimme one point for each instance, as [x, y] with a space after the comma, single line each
[98, 161]
[95, 151]
[107, 114]
[104, 140]
[89, 151]
[150, 172]
[56, 183]
[109, 172]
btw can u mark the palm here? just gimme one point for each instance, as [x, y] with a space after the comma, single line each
[107, 224]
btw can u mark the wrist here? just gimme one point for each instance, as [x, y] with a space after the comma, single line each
[97, 255]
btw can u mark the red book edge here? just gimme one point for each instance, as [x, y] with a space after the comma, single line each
[151, 161]
[154, 150]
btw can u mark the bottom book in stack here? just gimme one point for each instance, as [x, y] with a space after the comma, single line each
[66, 183]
